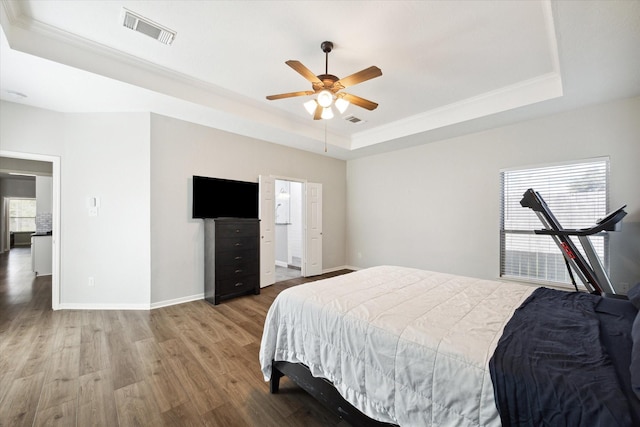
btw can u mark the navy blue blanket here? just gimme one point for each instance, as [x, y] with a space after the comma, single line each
[551, 369]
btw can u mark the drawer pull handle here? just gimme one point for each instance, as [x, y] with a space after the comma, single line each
[238, 244]
[238, 271]
[237, 231]
[238, 257]
[238, 284]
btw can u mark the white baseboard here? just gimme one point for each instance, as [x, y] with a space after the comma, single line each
[282, 264]
[166, 303]
[82, 306]
[74, 306]
[175, 301]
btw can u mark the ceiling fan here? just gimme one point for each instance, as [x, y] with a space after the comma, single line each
[328, 87]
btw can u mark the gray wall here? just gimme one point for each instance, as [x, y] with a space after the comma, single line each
[180, 150]
[135, 162]
[104, 155]
[436, 206]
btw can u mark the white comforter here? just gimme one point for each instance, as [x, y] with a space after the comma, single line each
[402, 345]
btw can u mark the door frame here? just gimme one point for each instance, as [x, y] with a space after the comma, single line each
[304, 183]
[55, 213]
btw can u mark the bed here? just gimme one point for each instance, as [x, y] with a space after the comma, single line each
[402, 346]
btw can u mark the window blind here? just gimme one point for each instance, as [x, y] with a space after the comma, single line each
[22, 214]
[576, 193]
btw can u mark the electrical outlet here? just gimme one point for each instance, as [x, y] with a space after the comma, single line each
[92, 282]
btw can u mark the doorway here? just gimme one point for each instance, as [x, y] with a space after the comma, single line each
[289, 229]
[311, 225]
[53, 163]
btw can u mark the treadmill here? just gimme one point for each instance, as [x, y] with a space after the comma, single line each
[590, 270]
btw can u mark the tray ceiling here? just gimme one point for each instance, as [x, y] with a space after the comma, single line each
[448, 67]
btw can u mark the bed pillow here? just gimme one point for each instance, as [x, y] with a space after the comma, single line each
[634, 297]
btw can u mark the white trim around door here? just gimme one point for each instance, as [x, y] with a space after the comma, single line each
[55, 258]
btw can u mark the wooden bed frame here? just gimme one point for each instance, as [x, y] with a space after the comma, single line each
[323, 391]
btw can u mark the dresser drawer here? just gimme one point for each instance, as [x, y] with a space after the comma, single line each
[237, 269]
[236, 244]
[231, 229]
[236, 285]
[234, 256]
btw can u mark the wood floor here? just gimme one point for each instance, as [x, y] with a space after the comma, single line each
[191, 364]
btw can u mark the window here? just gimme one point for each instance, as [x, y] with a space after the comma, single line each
[576, 193]
[22, 214]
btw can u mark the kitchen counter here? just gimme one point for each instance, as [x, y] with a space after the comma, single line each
[41, 253]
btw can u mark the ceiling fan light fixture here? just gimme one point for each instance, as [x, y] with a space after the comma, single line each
[311, 106]
[325, 98]
[342, 105]
[327, 88]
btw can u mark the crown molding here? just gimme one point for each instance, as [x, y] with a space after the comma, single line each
[538, 89]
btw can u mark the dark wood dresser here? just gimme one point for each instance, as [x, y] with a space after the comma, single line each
[231, 258]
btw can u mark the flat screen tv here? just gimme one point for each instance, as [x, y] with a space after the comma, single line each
[217, 198]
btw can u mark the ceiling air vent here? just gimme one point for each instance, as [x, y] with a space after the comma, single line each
[147, 27]
[354, 119]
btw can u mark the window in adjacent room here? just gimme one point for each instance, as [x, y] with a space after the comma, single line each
[577, 194]
[22, 215]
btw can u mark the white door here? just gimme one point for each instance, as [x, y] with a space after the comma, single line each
[267, 231]
[313, 232]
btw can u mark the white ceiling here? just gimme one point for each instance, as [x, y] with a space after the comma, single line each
[449, 67]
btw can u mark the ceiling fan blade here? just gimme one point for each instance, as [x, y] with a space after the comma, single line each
[317, 115]
[360, 102]
[290, 95]
[359, 77]
[303, 71]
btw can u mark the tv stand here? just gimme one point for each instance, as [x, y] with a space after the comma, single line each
[231, 258]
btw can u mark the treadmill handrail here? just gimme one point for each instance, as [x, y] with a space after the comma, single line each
[608, 223]
[612, 218]
[565, 232]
